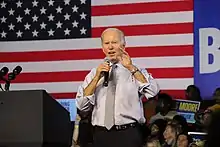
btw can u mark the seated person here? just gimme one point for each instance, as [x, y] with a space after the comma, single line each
[216, 97]
[203, 118]
[212, 140]
[193, 93]
[163, 109]
[170, 134]
[182, 122]
[156, 130]
[184, 140]
[153, 143]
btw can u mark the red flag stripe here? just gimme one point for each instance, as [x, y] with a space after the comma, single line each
[155, 51]
[176, 94]
[80, 75]
[135, 8]
[178, 28]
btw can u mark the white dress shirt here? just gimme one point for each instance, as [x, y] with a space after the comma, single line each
[128, 103]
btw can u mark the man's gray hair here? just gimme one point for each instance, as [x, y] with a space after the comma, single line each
[122, 36]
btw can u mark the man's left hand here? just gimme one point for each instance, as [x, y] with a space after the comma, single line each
[125, 59]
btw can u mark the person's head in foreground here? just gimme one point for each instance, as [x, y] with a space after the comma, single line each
[182, 122]
[153, 143]
[213, 139]
[184, 140]
[171, 132]
[164, 103]
[157, 128]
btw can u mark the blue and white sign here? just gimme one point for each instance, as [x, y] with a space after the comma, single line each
[187, 109]
[207, 46]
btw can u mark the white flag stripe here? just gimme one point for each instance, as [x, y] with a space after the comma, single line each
[93, 43]
[144, 18]
[111, 2]
[84, 65]
[65, 87]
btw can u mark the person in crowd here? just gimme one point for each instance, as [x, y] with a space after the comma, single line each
[76, 132]
[213, 139]
[170, 134]
[184, 140]
[182, 122]
[216, 98]
[152, 143]
[156, 130]
[149, 110]
[198, 143]
[85, 136]
[163, 108]
[203, 118]
[112, 90]
[193, 93]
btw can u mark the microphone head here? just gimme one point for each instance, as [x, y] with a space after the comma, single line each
[17, 70]
[4, 71]
[107, 60]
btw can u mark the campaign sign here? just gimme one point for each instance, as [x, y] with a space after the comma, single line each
[187, 109]
[70, 106]
[198, 136]
[207, 46]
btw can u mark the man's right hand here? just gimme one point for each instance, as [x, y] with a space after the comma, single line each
[102, 67]
[89, 90]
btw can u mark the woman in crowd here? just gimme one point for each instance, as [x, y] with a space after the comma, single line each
[156, 130]
[170, 134]
[184, 140]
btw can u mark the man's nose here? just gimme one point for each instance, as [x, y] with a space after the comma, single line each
[110, 47]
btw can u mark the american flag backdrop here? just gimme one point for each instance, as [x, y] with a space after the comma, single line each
[57, 42]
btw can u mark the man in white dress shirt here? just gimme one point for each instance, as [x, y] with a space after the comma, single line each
[117, 108]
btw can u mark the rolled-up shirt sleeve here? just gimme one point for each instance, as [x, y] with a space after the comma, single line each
[85, 103]
[149, 89]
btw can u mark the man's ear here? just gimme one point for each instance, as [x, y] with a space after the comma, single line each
[123, 46]
[103, 50]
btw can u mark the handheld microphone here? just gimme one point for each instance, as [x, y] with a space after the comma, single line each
[16, 71]
[3, 72]
[106, 74]
[11, 76]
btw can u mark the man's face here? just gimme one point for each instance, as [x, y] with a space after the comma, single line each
[182, 141]
[111, 45]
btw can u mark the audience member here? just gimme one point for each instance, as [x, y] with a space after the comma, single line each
[182, 122]
[184, 140]
[153, 143]
[156, 130]
[213, 130]
[163, 109]
[170, 134]
[193, 93]
[216, 97]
